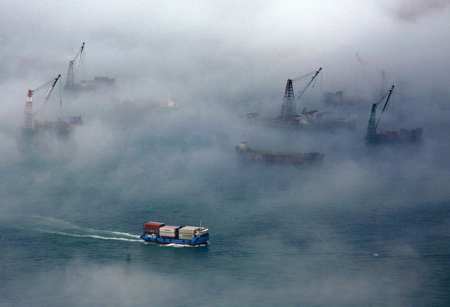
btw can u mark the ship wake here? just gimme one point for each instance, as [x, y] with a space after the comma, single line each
[181, 245]
[64, 228]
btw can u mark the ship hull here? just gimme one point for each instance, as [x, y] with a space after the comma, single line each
[60, 130]
[194, 242]
[393, 137]
[29, 131]
[279, 157]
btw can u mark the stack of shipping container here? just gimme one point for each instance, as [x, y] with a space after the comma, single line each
[155, 229]
[151, 229]
[187, 232]
[169, 232]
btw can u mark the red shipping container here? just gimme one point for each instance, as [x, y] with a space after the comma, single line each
[153, 225]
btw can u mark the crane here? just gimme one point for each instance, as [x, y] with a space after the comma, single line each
[71, 74]
[288, 108]
[28, 114]
[383, 77]
[372, 127]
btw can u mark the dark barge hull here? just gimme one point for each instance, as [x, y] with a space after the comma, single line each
[402, 136]
[247, 154]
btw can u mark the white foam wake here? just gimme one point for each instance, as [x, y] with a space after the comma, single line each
[60, 227]
[91, 236]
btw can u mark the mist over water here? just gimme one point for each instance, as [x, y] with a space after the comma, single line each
[368, 227]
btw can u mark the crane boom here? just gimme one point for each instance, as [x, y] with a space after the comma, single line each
[48, 95]
[312, 79]
[305, 75]
[372, 127]
[385, 105]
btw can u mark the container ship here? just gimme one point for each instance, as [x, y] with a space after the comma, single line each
[402, 136]
[245, 153]
[184, 235]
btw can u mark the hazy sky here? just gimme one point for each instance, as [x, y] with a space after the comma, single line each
[223, 52]
[239, 46]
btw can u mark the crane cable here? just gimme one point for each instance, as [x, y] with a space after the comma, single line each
[42, 86]
[312, 87]
[60, 99]
[304, 76]
[312, 79]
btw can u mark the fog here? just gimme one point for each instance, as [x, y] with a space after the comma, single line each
[222, 60]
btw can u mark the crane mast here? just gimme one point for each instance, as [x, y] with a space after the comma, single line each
[28, 115]
[288, 108]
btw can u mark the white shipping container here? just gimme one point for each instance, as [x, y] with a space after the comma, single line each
[168, 229]
[189, 229]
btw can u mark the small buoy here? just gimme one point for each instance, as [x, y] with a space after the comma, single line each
[128, 257]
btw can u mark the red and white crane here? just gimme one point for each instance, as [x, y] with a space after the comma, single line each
[28, 114]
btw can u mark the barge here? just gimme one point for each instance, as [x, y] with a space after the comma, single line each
[245, 153]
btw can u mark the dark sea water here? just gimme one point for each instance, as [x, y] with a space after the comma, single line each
[369, 227]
